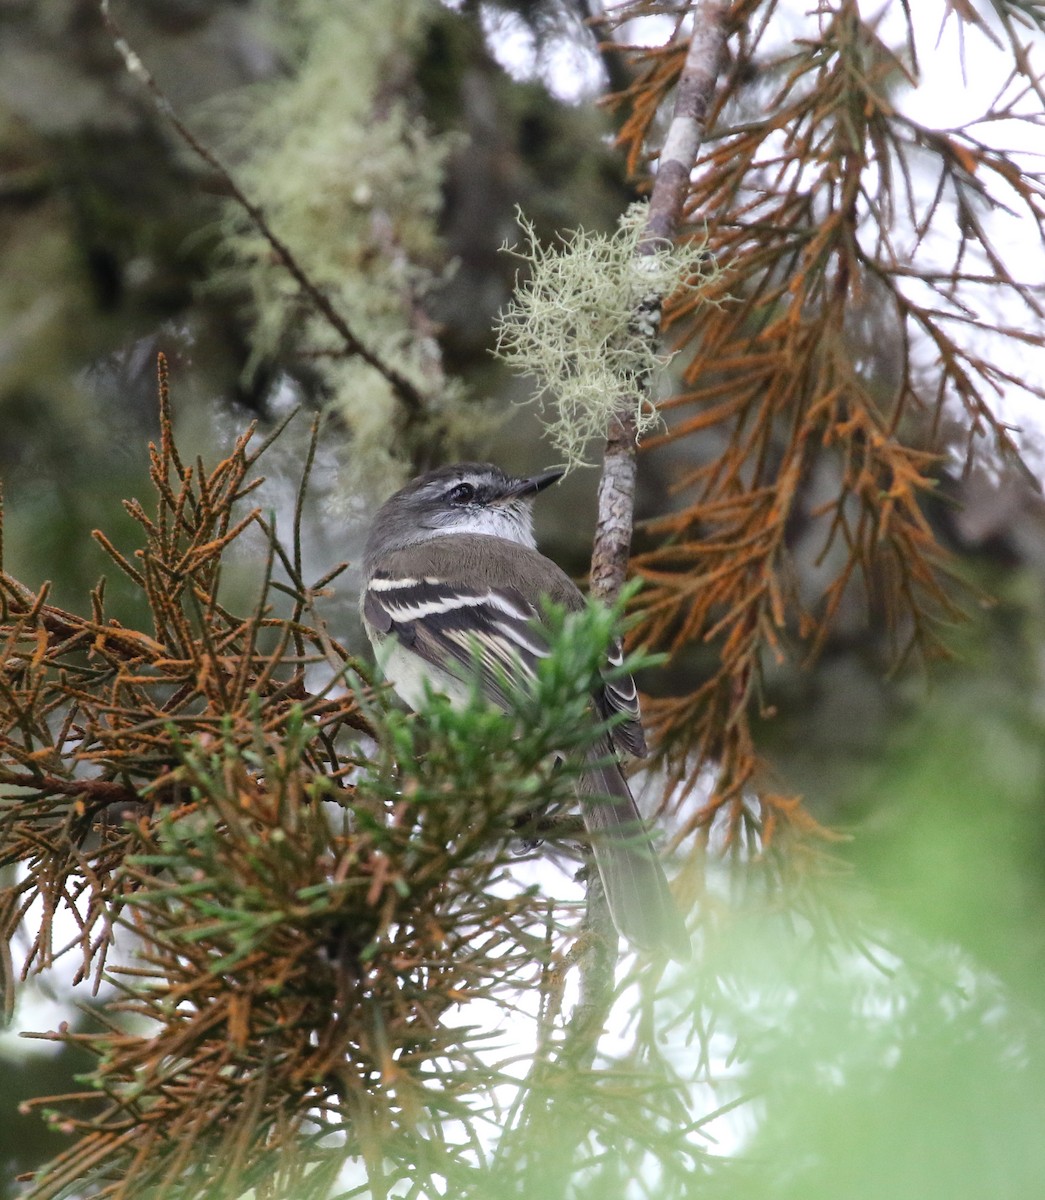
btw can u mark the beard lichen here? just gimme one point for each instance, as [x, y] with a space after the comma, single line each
[580, 325]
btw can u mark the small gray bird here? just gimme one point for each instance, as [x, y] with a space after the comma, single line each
[452, 577]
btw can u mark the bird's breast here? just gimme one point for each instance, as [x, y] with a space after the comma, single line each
[409, 673]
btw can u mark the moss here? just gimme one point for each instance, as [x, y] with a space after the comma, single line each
[350, 178]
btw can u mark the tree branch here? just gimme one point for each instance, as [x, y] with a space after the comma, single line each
[616, 502]
[410, 397]
[694, 91]
[613, 61]
[102, 791]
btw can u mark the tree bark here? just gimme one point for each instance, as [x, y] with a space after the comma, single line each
[694, 92]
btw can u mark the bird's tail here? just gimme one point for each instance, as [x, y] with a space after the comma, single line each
[637, 893]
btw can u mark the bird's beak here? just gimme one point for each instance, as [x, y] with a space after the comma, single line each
[535, 483]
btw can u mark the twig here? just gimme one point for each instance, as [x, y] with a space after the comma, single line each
[103, 791]
[613, 60]
[412, 399]
[548, 1123]
[598, 958]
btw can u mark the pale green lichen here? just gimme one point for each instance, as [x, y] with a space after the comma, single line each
[574, 326]
[350, 179]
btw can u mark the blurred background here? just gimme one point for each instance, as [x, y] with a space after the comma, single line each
[902, 1060]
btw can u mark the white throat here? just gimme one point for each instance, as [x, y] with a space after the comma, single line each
[492, 522]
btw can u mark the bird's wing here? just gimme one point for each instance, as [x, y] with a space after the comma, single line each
[455, 628]
[619, 695]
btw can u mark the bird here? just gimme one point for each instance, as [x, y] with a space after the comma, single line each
[454, 584]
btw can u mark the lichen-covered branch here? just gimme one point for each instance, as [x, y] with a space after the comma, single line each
[411, 399]
[696, 86]
[616, 500]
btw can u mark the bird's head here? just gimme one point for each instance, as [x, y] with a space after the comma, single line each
[462, 498]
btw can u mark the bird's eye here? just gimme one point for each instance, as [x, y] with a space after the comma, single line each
[461, 493]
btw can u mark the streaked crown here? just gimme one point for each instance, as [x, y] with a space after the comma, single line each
[462, 498]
